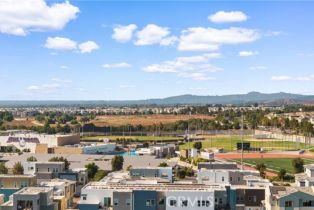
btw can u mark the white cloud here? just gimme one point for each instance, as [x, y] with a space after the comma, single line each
[210, 39]
[117, 65]
[273, 33]
[306, 78]
[195, 67]
[154, 34]
[63, 43]
[21, 17]
[64, 67]
[88, 47]
[247, 53]
[228, 17]
[281, 78]
[123, 33]
[44, 87]
[258, 68]
[60, 43]
[300, 78]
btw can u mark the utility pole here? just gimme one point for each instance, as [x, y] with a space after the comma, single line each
[242, 143]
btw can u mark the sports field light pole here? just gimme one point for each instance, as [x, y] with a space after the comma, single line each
[242, 143]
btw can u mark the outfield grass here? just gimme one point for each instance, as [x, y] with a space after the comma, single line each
[275, 163]
[139, 138]
[229, 143]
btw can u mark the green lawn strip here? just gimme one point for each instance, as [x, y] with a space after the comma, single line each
[274, 164]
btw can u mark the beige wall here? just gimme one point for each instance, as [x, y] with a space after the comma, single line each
[67, 150]
[17, 182]
[41, 149]
[68, 140]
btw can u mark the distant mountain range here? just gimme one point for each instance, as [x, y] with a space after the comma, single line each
[237, 99]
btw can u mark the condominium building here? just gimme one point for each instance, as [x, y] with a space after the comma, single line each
[153, 172]
[290, 198]
[305, 179]
[34, 198]
[44, 170]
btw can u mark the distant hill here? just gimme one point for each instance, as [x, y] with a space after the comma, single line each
[237, 99]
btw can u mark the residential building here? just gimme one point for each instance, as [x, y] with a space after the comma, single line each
[63, 191]
[289, 198]
[34, 198]
[153, 172]
[305, 179]
[226, 177]
[217, 165]
[44, 170]
[10, 183]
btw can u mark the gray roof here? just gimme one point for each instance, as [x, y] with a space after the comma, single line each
[80, 160]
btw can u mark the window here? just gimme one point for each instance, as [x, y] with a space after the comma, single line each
[223, 179]
[230, 178]
[307, 203]
[84, 198]
[161, 201]
[288, 204]
[48, 169]
[150, 202]
[220, 200]
[207, 203]
[116, 202]
[239, 178]
[173, 203]
[128, 202]
[203, 203]
[199, 203]
[184, 203]
[252, 198]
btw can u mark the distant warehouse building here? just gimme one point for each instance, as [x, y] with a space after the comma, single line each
[31, 141]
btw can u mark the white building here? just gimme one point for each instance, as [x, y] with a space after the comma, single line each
[31, 140]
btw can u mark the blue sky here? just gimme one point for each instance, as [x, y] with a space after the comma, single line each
[106, 50]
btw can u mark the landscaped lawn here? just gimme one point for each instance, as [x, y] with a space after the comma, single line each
[275, 163]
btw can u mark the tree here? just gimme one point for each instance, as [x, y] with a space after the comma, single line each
[298, 165]
[3, 169]
[180, 173]
[281, 174]
[61, 159]
[117, 163]
[261, 167]
[198, 145]
[92, 169]
[129, 168]
[18, 169]
[31, 159]
[99, 175]
[163, 164]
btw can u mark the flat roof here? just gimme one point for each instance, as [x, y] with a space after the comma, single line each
[33, 190]
[80, 160]
[155, 187]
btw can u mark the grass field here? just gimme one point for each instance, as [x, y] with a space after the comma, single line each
[275, 163]
[229, 143]
[118, 120]
[139, 138]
